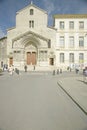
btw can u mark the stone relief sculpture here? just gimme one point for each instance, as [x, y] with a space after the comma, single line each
[17, 44]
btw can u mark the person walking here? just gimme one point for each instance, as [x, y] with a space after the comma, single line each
[10, 70]
[25, 67]
[85, 74]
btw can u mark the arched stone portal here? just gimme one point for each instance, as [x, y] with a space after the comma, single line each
[31, 58]
[30, 49]
[31, 45]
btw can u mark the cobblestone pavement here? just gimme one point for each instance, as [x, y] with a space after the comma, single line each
[42, 101]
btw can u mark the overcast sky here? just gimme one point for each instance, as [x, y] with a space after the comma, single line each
[8, 9]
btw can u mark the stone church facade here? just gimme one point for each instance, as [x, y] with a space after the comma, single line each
[31, 42]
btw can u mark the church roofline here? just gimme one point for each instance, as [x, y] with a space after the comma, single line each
[11, 28]
[5, 37]
[31, 5]
[63, 16]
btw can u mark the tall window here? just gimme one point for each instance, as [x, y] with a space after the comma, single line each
[71, 25]
[61, 57]
[81, 57]
[81, 41]
[31, 24]
[62, 41]
[49, 44]
[71, 41]
[31, 11]
[81, 25]
[62, 25]
[71, 57]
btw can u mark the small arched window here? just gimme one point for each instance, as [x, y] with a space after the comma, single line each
[31, 11]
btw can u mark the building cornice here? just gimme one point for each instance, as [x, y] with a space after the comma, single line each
[64, 16]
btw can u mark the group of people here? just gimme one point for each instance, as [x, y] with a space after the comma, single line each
[76, 69]
[11, 70]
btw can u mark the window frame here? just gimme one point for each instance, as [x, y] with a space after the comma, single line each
[71, 41]
[81, 24]
[62, 58]
[81, 57]
[62, 41]
[31, 23]
[71, 57]
[62, 25]
[71, 24]
[31, 12]
[81, 42]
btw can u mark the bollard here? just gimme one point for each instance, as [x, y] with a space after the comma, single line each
[77, 71]
[53, 72]
[60, 70]
[25, 67]
[17, 71]
[57, 71]
[34, 67]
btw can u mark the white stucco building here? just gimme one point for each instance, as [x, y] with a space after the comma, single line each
[71, 39]
[32, 42]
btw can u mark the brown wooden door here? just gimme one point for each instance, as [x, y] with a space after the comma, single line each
[10, 61]
[51, 60]
[28, 58]
[31, 58]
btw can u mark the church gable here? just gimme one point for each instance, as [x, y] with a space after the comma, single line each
[32, 6]
[31, 17]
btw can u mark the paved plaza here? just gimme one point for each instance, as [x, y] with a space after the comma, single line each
[42, 101]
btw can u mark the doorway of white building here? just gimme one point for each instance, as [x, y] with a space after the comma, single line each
[31, 58]
[51, 61]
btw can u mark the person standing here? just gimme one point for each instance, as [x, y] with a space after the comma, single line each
[25, 67]
[10, 70]
[85, 74]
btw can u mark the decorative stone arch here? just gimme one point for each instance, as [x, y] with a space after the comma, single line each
[31, 45]
[30, 40]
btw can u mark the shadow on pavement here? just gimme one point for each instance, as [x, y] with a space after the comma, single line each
[82, 81]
